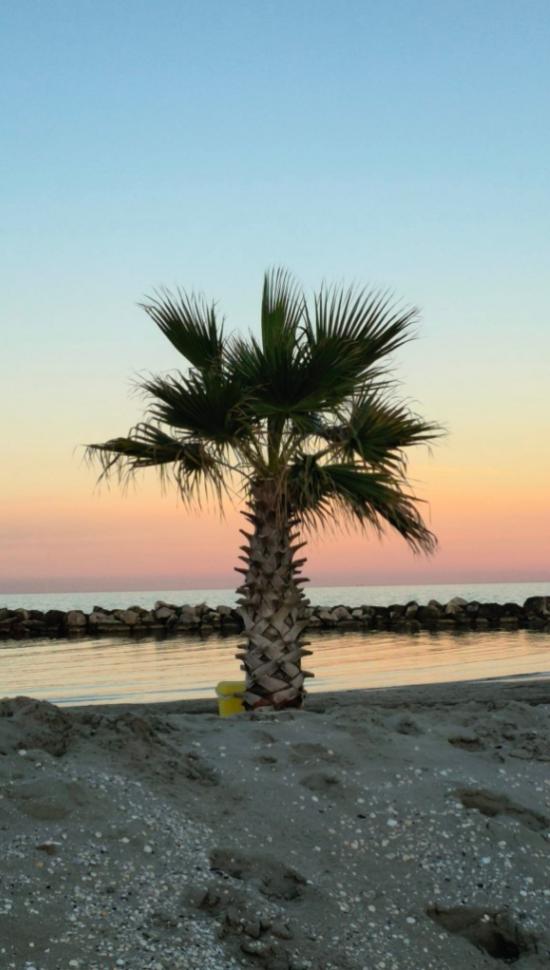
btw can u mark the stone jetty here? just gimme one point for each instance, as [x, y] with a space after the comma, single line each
[168, 619]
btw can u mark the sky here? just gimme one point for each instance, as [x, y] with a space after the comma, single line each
[402, 144]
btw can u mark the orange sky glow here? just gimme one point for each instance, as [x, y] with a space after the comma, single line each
[490, 527]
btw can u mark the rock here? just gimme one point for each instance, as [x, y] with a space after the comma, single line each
[490, 611]
[510, 622]
[537, 604]
[446, 623]
[185, 622]
[128, 617]
[54, 618]
[456, 605]
[35, 627]
[190, 614]
[164, 613]
[435, 605]
[411, 609]
[103, 619]
[224, 610]
[536, 622]
[212, 618]
[340, 613]
[396, 610]
[512, 609]
[76, 619]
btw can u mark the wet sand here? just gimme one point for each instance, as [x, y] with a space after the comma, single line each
[397, 829]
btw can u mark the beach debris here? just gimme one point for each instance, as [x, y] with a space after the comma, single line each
[49, 847]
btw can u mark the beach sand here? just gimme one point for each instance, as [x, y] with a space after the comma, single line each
[403, 829]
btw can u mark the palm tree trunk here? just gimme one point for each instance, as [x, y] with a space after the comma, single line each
[272, 606]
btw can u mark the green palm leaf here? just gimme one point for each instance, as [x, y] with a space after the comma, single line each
[282, 311]
[190, 324]
[318, 492]
[147, 446]
[378, 431]
[206, 404]
[369, 324]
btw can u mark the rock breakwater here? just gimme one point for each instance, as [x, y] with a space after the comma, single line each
[169, 619]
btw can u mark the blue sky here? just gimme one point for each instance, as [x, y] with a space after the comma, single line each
[402, 143]
[200, 141]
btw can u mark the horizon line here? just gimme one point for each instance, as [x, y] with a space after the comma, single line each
[167, 587]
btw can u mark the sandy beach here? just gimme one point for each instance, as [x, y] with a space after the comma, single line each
[404, 829]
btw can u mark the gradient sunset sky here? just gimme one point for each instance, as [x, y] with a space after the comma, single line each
[402, 144]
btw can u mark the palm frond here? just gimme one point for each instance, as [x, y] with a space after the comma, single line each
[190, 324]
[281, 313]
[378, 431]
[147, 446]
[320, 492]
[206, 404]
[369, 323]
[315, 377]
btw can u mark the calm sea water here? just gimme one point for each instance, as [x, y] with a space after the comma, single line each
[121, 669]
[105, 670]
[319, 596]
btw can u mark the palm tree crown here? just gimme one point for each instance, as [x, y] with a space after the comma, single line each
[305, 418]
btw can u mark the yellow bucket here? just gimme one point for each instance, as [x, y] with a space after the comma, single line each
[230, 697]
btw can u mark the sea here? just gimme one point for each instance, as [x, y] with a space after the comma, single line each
[109, 670]
[319, 596]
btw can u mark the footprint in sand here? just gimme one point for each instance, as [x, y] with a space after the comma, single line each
[49, 800]
[494, 933]
[323, 783]
[266, 759]
[467, 740]
[491, 804]
[304, 753]
[272, 879]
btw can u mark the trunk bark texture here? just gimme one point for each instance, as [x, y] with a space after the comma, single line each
[272, 605]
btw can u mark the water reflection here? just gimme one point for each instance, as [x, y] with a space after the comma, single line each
[114, 670]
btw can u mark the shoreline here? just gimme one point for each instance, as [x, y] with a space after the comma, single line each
[527, 689]
[169, 619]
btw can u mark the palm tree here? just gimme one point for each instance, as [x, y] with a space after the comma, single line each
[306, 421]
